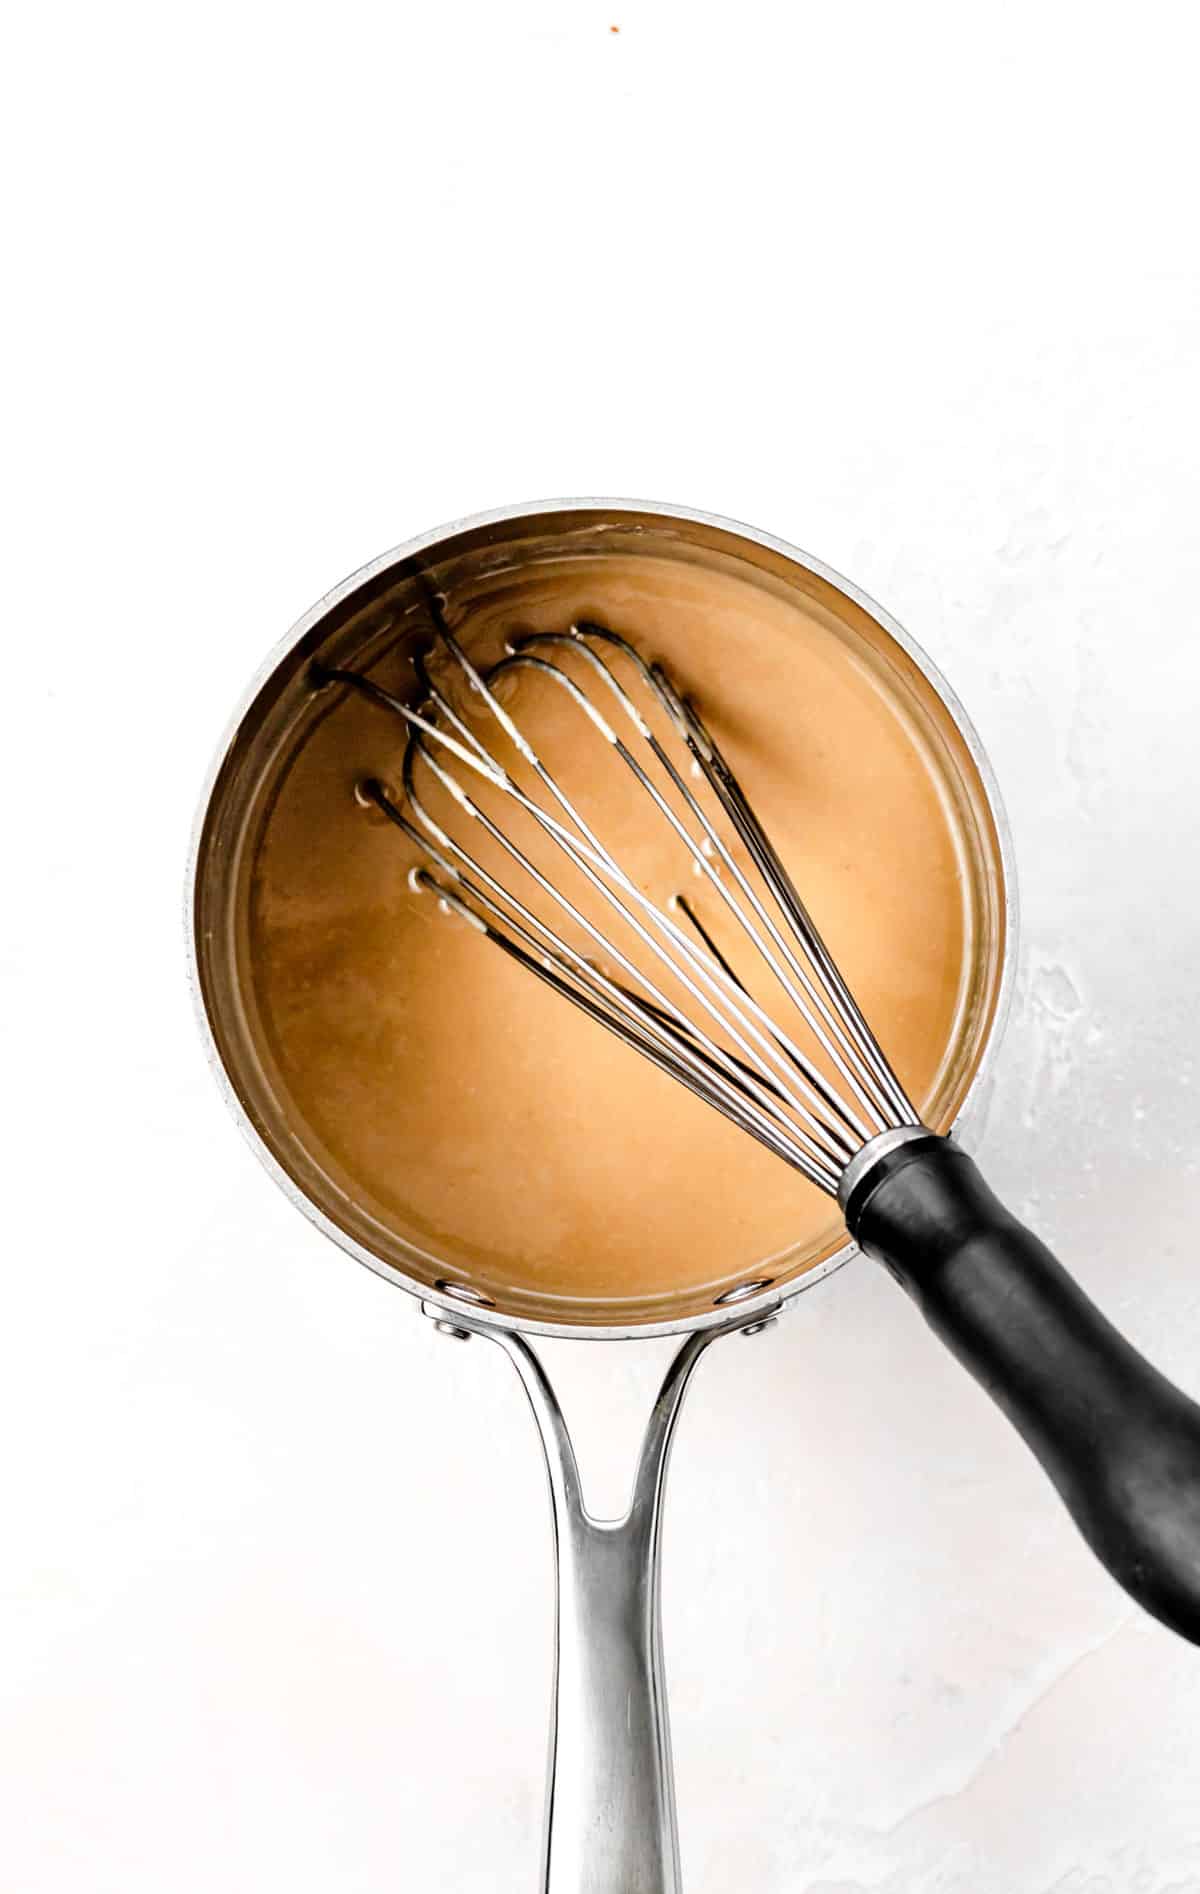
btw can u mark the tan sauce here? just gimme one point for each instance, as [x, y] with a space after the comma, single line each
[481, 1117]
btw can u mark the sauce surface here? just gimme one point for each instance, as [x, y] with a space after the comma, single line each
[480, 1116]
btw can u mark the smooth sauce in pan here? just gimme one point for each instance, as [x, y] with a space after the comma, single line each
[480, 1116]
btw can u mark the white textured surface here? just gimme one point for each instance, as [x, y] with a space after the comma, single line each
[913, 286]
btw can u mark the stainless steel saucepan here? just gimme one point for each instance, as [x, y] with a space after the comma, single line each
[610, 1816]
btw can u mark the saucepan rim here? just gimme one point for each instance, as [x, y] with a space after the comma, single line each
[438, 1302]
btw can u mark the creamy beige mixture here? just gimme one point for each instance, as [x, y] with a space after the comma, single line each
[480, 1116]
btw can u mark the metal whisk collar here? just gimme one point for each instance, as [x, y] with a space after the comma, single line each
[668, 991]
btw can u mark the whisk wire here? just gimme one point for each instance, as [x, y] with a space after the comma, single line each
[858, 1071]
[589, 864]
[666, 1034]
[743, 1063]
[706, 868]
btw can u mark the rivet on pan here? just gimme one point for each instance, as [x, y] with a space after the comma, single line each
[462, 1292]
[742, 1290]
[455, 1334]
[756, 1328]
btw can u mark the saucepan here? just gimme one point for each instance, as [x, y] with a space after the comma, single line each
[610, 1824]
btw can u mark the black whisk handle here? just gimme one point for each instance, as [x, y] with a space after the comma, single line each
[1119, 1441]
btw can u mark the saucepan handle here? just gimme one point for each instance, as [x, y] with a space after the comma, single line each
[1121, 1444]
[610, 1824]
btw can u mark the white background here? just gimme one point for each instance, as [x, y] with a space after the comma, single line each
[914, 286]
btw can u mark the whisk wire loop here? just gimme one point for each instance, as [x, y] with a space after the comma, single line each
[733, 1052]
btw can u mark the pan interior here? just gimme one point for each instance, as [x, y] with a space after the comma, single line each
[452, 1117]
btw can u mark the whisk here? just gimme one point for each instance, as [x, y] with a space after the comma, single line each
[767, 1032]
[741, 1058]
